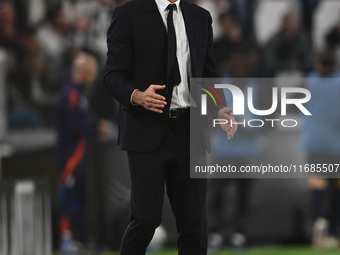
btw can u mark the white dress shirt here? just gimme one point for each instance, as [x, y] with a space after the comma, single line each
[181, 94]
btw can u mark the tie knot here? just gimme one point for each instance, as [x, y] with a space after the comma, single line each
[171, 7]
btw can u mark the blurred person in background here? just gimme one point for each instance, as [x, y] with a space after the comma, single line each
[91, 27]
[321, 141]
[332, 38]
[244, 11]
[240, 151]
[289, 49]
[22, 49]
[89, 31]
[77, 127]
[216, 8]
[53, 39]
[230, 38]
[308, 8]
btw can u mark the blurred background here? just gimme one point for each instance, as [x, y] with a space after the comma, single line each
[40, 67]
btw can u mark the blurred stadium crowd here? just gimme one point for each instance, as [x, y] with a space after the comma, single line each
[252, 38]
[41, 39]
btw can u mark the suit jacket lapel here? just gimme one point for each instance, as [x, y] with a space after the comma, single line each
[190, 26]
[156, 23]
[155, 20]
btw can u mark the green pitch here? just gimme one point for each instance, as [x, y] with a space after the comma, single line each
[265, 250]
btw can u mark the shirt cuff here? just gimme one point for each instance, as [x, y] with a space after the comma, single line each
[133, 92]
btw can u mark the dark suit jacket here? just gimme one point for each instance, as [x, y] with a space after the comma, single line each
[137, 58]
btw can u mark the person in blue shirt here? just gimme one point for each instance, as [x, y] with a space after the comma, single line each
[236, 152]
[76, 128]
[321, 141]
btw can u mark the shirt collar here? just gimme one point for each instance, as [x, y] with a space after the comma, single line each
[163, 4]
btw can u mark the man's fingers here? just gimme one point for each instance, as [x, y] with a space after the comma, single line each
[231, 126]
[227, 110]
[232, 131]
[155, 96]
[230, 135]
[148, 106]
[153, 104]
[157, 87]
[156, 101]
[159, 97]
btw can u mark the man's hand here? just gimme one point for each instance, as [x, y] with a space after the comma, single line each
[225, 113]
[149, 99]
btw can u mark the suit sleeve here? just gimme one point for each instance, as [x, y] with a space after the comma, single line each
[209, 70]
[119, 57]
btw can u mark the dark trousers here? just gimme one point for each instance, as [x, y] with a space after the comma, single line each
[72, 200]
[150, 172]
[326, 203]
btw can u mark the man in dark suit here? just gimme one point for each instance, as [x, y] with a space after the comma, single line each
[154, 47]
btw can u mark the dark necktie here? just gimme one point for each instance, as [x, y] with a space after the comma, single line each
[174, 75]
